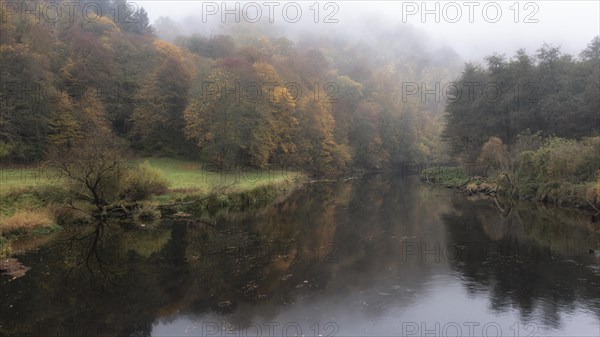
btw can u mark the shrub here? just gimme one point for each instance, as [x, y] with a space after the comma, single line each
[559, 158]
[494, 155]
[445, 175]
[144, 181]
[527, 174]
[26, 221]
[562, 171]
[68, 216]
[565, 159]
[93, 168]
[564, 193]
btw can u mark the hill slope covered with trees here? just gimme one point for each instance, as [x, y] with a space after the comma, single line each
[316, 104]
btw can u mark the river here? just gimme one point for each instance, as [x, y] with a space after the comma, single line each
[375, 256]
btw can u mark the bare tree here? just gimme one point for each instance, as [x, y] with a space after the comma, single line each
[93, 168]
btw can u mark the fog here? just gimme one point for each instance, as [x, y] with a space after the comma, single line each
[473, 29]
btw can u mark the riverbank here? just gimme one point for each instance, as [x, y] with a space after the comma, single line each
[33, 202]
[582, 195]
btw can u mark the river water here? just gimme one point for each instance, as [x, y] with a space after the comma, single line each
[375, 256]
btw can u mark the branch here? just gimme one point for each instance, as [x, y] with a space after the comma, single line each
[70, 202]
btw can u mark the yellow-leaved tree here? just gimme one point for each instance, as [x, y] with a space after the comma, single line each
[158, 117]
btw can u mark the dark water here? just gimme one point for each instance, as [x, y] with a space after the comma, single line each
[376, 256]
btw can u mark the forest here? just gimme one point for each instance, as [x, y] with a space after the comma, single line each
[316, 104]
[161, 175]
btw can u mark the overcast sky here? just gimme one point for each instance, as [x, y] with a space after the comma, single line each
[570, 24]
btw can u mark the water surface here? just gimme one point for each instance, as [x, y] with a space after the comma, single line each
[376, 256]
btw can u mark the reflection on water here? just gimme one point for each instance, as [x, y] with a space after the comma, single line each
[373, 256]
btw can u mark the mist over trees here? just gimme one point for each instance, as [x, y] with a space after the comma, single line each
[549, 92]
[253, 98]
[318, 103]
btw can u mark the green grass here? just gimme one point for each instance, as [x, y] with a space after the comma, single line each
[37, 187]
[182, 175]
[445, 175]
[26, 176]
[46, 230]
[197, 177]
[27, 193]
[30, 197]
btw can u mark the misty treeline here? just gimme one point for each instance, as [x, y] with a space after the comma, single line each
[319, 103]
[531, 124]
[549, 93]
[248, 98]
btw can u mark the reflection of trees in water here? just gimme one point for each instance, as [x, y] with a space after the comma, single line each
[530, 258]
[92, 252]
[67, 288]
[344, 238]
[133, 278]
[328, 240]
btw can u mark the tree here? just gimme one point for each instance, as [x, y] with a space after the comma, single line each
[216, 47]
[94, 169]
[558, 96]
[6, 141]
[464, 119]
[131, 19]
[367, 144]
[136, 58]
[142, 22]
[167, 29]
[72, 120]
[65, 129]
[317, 150]
[494, 155]
[25, 114]
[589, 103]
[350, 94]
[158, 119]
[236, 125]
